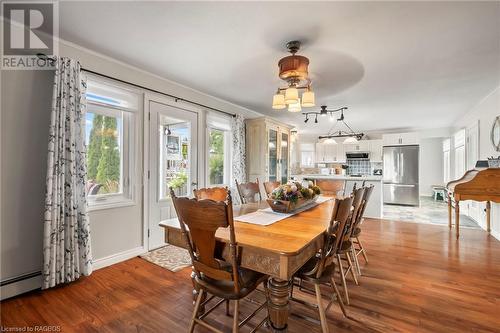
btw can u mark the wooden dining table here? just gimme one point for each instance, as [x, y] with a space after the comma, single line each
[277, 250]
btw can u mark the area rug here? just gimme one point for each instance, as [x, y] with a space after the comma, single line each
[170, 257]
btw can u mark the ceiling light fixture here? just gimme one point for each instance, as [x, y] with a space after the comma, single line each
[330, 141]
[351, 139]
[294, 70]
[348, 133]
[295, 107]
[279, 101]
[325, 112]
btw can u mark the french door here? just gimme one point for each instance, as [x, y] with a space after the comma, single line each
[173, 162]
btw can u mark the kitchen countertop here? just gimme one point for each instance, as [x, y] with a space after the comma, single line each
[341, 177]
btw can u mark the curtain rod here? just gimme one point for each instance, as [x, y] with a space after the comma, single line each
[176, 98]
[47, 58]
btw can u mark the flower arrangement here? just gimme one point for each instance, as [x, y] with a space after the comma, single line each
[294, 191]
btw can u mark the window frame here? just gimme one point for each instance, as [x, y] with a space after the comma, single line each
[227, 157]
[127, 195]
[307, 148]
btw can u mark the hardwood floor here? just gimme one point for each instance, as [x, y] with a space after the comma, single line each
[419, 279]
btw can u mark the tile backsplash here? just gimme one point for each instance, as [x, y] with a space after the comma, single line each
[362, 166]
[359, 166]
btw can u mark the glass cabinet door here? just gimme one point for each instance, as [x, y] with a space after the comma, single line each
[284, 158]
[273, 155]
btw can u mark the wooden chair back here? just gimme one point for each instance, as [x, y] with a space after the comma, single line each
[357, 199]
[212, 193]
[366, 197]
[270, 186]
[248, 192]
[342, 209]
[331, 186]
[199, 221]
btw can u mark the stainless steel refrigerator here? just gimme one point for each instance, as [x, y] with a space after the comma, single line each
[401, 175]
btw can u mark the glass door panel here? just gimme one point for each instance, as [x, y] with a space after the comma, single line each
[173, 142]
[175, 156]
[273, 155]
[284, 158]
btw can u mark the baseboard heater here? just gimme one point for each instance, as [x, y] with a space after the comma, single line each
[19, 278]
[20, 284]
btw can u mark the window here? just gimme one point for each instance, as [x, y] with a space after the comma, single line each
[104, 134]
[216, 163]
[219, 150]
[175, 156]
[307, 155]
[109, 134]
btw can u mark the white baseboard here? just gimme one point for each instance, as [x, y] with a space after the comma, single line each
[118, 257]
[495, 234]
[20, 287]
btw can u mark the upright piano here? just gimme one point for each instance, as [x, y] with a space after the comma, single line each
[480, 184]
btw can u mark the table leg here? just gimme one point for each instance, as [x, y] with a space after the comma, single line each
[457, 217]
[488, 216]
[277, 304]
[449, 210]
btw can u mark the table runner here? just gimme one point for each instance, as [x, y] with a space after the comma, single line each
[267, 216]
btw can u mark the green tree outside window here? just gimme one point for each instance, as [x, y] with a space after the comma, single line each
[216, 157]
[103, 154]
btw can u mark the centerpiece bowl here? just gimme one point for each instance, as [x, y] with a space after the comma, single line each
[293, 196]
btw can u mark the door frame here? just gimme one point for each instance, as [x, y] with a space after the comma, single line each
[201, 141]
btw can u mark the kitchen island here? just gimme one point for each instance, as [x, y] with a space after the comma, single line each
[374, 208]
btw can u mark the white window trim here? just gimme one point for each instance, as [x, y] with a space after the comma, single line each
[227, 157]
[129, 144]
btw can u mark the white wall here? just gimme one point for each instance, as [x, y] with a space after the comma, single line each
[117, 233]
[485, 112]
[430, 164]
[25, 115]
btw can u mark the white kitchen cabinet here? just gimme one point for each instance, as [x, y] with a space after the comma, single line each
[268, 150]
[335, 153]
[330, 152]
[341, 153]
[400, 139]
[320, 153]
[326, 153]
[376, 152]
[362, 145]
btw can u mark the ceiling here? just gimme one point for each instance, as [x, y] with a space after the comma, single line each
[396, 65]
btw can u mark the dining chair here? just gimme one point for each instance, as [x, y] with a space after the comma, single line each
[346, 248]
[225, 279]
[270, 186]
[321, 268]
[331, 186]
[213, 193]
[249, 191]
[356, 230]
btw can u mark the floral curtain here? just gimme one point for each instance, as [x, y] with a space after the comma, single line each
[66, 240]
[238, 153]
